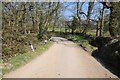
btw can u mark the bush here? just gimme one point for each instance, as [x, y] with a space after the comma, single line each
[17, 45]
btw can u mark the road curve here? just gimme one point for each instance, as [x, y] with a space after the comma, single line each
[64, 59]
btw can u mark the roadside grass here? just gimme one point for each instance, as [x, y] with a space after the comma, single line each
[81, 41]
[24, 58]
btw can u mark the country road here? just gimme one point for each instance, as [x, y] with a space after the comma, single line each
[64, 59]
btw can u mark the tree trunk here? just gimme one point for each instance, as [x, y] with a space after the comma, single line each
[113, 20]
[97, 29]
[72, 31]
[90, 7]
[102, 22]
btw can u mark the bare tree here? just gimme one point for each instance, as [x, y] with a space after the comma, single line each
[88, 15]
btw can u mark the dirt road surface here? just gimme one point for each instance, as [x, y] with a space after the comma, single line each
[64, 59]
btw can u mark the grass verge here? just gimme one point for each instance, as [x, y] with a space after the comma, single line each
[81, 41]
[22, 59]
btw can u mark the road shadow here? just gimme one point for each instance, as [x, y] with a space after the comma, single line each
[111, 68]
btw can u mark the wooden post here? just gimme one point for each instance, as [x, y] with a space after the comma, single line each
[31, 46]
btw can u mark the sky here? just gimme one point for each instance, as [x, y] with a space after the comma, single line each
[69, 10]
